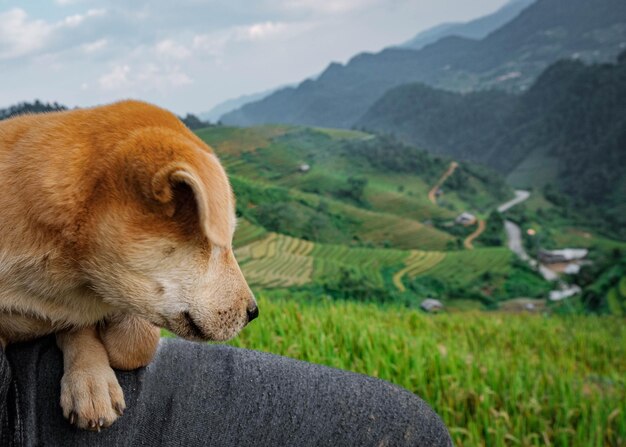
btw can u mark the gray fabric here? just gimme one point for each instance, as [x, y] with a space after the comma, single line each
[5, 385]
[210, 395]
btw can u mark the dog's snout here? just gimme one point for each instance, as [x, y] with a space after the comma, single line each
[253, 312]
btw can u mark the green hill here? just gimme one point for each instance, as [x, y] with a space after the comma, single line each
[604, 284]
[568, 130]
[345, 187]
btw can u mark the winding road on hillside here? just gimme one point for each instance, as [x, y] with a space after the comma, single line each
[432, 194]
[514, 237]
[513, 231]
[520, 196]
[468, 243]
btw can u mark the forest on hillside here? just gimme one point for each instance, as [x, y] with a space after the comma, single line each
[574, 115]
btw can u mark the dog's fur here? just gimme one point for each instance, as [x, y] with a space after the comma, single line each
[113, 221]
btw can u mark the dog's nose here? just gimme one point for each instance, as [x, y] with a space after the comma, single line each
[252, 313]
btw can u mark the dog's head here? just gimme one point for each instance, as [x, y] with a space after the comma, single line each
[160, 245]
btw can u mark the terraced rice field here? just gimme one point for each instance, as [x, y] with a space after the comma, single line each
[283, 261]
[247, 233]
[370, 261]
[418, 263]
[464, 266]
[401, 233]
[233, 141]
[276, 261]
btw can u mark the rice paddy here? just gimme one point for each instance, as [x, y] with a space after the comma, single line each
[276, 260]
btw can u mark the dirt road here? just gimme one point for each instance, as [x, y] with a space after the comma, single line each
[468, 242]
[432, 194]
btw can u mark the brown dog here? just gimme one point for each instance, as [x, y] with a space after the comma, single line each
[113, 221]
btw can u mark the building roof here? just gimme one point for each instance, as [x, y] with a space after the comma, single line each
[465, 217]
[567, 254]
[431, 304]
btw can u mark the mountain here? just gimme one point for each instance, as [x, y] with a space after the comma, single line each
[568, 130]
[510, 58]
[229, 105]
[463, 126]
[475, 29]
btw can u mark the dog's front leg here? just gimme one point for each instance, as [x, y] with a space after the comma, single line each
[130, 341]
[91, 396]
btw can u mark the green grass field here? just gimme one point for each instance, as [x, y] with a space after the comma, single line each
[495, 379]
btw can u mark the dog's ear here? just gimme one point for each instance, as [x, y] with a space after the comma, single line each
[195, 196]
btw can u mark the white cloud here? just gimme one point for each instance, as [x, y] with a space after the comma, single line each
[264, 30]
[146, 77]
[155, 77]
[22, 36]
[95, 46]
[328, 6]
[66, 2]
[270, 30]
[216, 42]
[171, 50]
[77, 19]
[116, 78]
[19, 35]
[212, 44]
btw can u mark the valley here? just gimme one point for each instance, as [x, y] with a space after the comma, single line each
[310, 224]
[352, 215]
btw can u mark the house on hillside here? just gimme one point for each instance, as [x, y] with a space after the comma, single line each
[431, 305]
[560, 295]
[566, 255]
[465, 219]
[304, 167]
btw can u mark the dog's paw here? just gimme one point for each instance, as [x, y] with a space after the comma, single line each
[91, 398]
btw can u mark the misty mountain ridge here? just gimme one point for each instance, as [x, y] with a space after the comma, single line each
[229, 105]
[509, 58]
[476, 29]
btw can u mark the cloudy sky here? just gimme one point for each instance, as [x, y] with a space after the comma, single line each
[188, 55]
